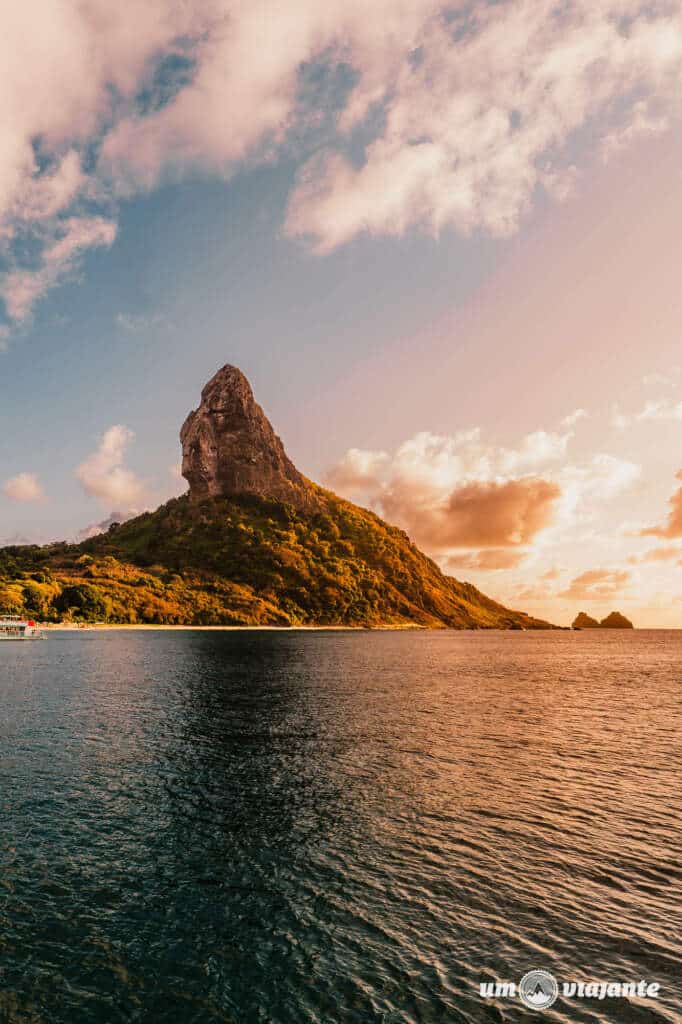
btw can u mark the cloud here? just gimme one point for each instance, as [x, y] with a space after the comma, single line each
[531, 595]
[663, 409]
[244, 95]
[21, 289]
[492, 513]
[486, 561]
[643, 123]
[440, 462]
[463, 498]
[479, 122]
[137, 323]
[458, 492]
[23, 487]
[672, 528]
[94, 529]
[359, 471]
[69, 69]
[574, 417]
[655, 410]
[588, 485]
[664, 554]
[596, 584]
[439, 117]
[103, 475]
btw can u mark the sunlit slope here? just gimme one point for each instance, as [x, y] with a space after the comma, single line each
[246, 561]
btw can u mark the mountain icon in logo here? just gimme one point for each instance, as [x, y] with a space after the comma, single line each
[538, 989]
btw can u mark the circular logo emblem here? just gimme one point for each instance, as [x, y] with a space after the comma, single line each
[538, 990]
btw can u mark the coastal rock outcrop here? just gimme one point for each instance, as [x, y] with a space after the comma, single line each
[584, 621]
[616, 621]
[613, 621]
[229, 448]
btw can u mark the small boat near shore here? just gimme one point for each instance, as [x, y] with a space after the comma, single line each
[12, 627]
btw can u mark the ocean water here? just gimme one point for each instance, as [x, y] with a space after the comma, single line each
[336, 827]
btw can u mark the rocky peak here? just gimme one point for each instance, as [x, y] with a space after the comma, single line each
[616, 621]
[584, 621]
[230, 448]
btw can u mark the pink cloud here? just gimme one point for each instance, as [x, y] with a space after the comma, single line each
[24, 487]
[21, 288]
[664, 554]
[672, 528]
[458, 492]
[474, 128]
[487, 560]
[596, 584]
[479, 514]
[104, 475]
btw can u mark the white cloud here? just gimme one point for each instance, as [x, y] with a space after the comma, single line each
[24, 487]
[643, 123]
[655, 410]
[601, 478]
[619, 420]
[475, 108]
[21, 289]
[663, 409]
[104, 475]
[475, 125]
[574, 417]
[137, 323]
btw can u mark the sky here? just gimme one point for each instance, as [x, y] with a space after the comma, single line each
[440, 240]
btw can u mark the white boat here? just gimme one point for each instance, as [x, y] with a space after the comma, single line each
[12, 627]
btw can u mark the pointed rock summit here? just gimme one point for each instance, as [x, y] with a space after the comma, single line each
[230, 448]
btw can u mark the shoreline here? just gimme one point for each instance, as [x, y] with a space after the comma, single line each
[74, 627]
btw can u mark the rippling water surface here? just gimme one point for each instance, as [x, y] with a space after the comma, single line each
[333, 827]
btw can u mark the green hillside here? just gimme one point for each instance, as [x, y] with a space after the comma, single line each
[245, 561]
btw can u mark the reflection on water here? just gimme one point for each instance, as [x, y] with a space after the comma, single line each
[328, 827]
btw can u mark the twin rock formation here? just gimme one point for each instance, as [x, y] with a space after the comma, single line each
[229, 448]
[613, 621]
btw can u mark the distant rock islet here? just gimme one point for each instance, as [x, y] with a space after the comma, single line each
[615, 620]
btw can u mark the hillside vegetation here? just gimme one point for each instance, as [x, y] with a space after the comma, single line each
[245, 561]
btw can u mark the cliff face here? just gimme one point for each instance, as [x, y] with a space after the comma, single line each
[229, 448]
